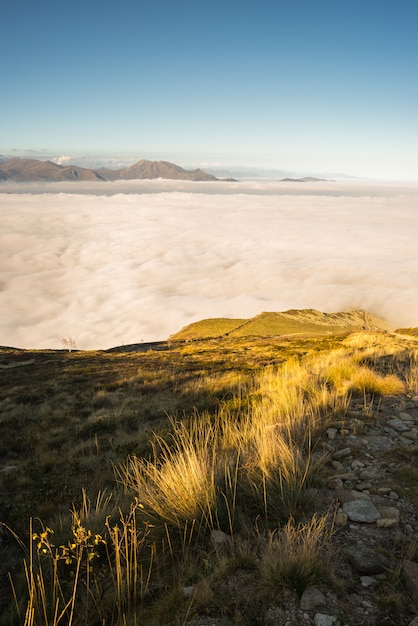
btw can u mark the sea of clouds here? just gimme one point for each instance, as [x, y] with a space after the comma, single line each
[119, 263]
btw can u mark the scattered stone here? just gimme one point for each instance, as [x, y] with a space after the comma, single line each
[414, 622]
[389, 512]
[379, 442]
[405, 416]
[411, 434]
[363, 486]
[340, 454]
[367, 561]
[332, 433]
[393, 496]
[321, 619]
[361, 495]
[356, 465]
[368, 474]
[387, 522]
[343, 495]
[347, 476]
[334, 483]
[398, 425]
[312, 598]
[361, 511]
[368, 581]
[188, 591]
[384, 491]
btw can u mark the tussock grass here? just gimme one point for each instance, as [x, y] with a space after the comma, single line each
[177, 486]
[294, 556]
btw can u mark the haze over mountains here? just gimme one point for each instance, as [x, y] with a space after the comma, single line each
[30, 170]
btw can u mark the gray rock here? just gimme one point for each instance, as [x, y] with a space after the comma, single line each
[368, 581]
[312, 598]
[406, 416]
[378, 442]
[398, 425]
[361, 511]
[332, 433]
[367, 561]
[414, 622]
[321, 619]
[340, 454]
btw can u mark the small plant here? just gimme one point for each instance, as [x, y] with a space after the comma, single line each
[69, 343]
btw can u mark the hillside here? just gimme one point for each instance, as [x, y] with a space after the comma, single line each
[305, 321]
[242, 479]
[27, 170]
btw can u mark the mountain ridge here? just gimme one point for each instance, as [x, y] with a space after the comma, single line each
[33, 170]
[293, 321]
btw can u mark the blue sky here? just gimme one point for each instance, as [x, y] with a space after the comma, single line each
[303, 86]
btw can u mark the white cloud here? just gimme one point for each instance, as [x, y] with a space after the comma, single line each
[123, 262]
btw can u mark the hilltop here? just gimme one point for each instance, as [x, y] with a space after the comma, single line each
[304, 321]
[29, 170]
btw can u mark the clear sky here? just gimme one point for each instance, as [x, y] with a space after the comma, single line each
[296, 84]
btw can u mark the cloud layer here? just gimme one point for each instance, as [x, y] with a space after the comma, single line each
[115, 264]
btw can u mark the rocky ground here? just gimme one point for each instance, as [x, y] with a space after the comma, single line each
[373, 488]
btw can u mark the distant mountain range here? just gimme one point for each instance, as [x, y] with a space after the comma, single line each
[30, 170]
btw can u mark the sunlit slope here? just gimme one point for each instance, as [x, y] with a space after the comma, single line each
[408, 331]
[304, 321]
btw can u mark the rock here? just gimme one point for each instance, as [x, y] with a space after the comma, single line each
[368, 581]
[334, 483]
[332, 433]
[347, 476]
[393, 496]
[343, 495]
[367, 561]
[363, 486]
[312, 598]
[340, 454]
[378, 442]
[361, 511]
[188, 591]
[368, 474]
[411, 434]
[360, 495]
[398, 425]
[389, 512]
[414, 622]
[406, 416]
[410, 572]
[387, 522]
[321, 619]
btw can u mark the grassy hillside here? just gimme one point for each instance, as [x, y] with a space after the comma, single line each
[141, 487]
[307, 321]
